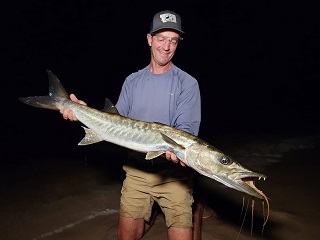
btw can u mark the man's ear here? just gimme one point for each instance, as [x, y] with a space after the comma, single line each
[149, 38]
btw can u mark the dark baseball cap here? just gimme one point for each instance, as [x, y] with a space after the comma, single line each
[166, 20]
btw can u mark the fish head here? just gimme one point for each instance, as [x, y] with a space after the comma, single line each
[216, 165]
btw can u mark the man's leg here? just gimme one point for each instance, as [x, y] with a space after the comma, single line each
[175, 233]
[135, 205]
[130, 229]
[197, 220]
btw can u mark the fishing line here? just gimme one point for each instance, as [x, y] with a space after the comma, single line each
[264, 217]
[242, 206]
[244, 218]
[252, 209]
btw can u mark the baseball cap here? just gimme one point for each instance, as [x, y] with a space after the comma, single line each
[166, 20]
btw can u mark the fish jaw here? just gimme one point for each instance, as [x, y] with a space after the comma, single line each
[212, 163]
[244, 182]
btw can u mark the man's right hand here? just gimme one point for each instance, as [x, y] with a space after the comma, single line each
[67, 113]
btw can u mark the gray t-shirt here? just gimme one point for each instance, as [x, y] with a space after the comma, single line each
[171, 98]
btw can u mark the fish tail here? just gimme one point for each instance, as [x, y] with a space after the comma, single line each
[57, 93]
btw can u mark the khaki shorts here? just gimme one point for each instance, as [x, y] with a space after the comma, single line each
[170, 188]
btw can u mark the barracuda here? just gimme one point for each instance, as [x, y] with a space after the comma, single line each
[150, 138]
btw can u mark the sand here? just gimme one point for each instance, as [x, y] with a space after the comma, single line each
[49, 196]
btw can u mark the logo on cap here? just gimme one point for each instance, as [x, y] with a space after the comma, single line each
[168, 17]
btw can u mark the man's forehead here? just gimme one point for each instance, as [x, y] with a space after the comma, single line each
[168, 33]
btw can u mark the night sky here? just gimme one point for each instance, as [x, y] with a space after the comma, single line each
[257, 62]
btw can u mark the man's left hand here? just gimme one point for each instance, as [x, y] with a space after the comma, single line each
[172, 157]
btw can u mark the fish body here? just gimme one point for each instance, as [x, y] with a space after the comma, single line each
[153, 139]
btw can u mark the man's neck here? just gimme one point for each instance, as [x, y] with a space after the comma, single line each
[157, 69]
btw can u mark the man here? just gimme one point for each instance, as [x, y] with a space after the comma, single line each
[160, 92]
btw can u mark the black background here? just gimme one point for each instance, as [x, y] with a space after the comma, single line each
[257, 63]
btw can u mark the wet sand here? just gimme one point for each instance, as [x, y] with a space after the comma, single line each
[49, 196]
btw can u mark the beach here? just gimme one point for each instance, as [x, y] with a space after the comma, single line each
[51, 196]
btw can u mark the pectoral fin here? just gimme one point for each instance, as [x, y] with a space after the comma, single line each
[172, 143]
[90, 137]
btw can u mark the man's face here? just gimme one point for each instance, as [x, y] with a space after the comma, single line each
[163, 46]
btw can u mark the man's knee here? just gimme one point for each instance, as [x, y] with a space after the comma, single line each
[130, 229]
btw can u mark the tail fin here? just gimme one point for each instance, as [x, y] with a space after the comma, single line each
[56, 90]
[56, 94]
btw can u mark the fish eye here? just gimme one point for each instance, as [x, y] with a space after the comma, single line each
[225, 160]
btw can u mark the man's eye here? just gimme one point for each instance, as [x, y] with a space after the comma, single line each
[174, 41]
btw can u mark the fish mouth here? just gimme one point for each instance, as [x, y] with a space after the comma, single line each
[244, 181]
[248, 185]
[250, 182]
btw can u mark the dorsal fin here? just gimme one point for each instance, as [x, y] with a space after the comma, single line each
[109, 107]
